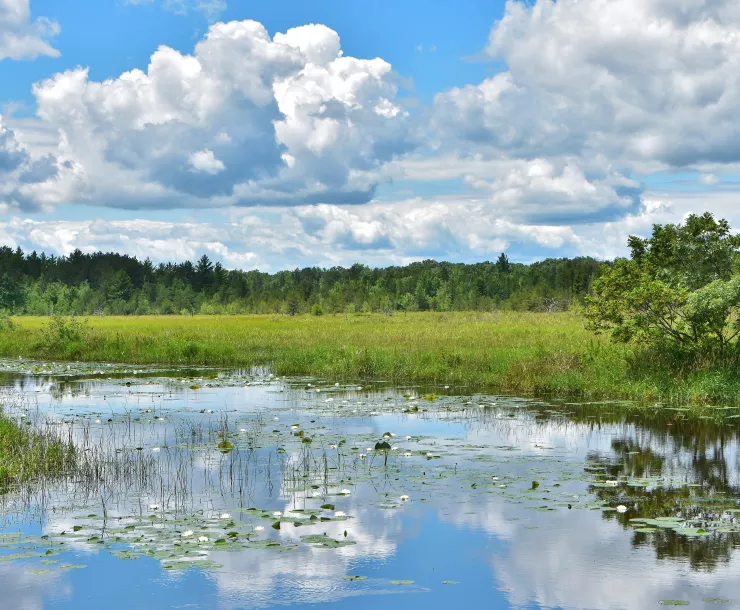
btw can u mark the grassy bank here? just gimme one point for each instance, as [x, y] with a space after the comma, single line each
[516, 352]
[27, 454]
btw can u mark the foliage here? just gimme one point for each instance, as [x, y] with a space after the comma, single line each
[113, 284]
[678, 290]
[64, 335]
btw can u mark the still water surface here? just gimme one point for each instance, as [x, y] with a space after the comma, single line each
[213, 498]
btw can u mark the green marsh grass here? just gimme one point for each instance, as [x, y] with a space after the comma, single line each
[525, 353]
[28, 454]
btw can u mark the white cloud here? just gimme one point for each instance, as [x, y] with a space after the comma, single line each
[287, 120]
[22, 38]
[644, 84]
[205, 161]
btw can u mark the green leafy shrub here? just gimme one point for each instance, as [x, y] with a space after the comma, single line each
[679, 291]
[64, 336]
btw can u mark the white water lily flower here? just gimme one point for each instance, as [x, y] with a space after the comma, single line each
[318, 390]
[203, 539]
[336, 385]
[394, 448]
[621, 508]
[611, 483]
[209, 410]
[332, 446]
[186, 534]
[502, 486]
[97, 421]
[339, 513]
[275, 419]
[407, 454]
[277, 513]
[243, 430]
[155, 449]
[404, 498]
[309, 385]
[226, 516]
[316, 494]
[259, 528]
[368, 450]
[408, 438]
[430, 455]
[294, 427]
[447, 387]
[345, 492]
[362, 456]
[495, 478]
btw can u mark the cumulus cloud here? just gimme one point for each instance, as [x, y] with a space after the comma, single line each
[21, 174]
[245, 120]
[205, 161]
[20, 36]
[643, 84]
[592, 94]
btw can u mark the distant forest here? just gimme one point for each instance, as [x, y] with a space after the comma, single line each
[115, 284]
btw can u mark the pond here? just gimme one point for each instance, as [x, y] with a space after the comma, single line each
[233, 489]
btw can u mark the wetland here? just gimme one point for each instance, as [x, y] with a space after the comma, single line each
[222, 488]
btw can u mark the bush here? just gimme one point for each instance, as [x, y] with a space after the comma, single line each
[6, 322]
[64, 335]
[679, 291]
[317, 310]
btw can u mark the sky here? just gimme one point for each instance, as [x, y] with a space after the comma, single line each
[276, 135]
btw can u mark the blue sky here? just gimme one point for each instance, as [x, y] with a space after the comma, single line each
[111, 36]
[168, 128]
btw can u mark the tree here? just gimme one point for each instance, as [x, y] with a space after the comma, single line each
[12, 295]
[120, 287]
[204, 272]
[679, 288]
[502, 264]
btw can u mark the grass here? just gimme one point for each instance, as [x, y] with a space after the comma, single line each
[525, 353]
[28, 454]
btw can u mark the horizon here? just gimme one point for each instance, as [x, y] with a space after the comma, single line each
[194, 261]
[279, 138]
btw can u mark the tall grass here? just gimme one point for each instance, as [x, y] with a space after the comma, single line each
[516, 352]
[28, 454]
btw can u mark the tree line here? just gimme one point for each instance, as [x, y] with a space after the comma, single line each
[117, 284]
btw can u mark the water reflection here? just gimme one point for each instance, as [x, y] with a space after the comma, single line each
[524, 503]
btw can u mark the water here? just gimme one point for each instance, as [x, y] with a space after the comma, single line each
[494, 501]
